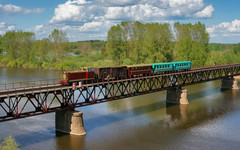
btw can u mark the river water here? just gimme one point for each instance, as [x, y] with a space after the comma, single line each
[210, 121]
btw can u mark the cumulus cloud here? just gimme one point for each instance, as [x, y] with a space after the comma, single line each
[231, 30]
[5, 27]
[142, 10]
[13, 9]
[225, 28]
[205, 13]
[97, 16]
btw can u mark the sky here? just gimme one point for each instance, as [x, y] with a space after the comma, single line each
[91, 19]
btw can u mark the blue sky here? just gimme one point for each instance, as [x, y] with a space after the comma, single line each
[91, 19]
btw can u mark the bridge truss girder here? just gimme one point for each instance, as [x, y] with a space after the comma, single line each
[20, 105]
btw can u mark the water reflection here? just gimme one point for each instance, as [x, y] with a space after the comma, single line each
[197, 113]
[9, 75]
[71, 142]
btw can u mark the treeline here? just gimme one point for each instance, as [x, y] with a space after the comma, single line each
[137, 43]
[21, 49]
[223, 53]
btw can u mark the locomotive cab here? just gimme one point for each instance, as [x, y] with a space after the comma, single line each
[64, 80]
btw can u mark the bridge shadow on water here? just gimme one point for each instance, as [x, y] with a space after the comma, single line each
[182, 117]
[49, 134]
[218, 103]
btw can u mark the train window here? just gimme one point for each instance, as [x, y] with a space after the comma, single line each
[90, 69]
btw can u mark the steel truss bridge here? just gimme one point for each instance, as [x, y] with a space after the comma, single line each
[20, 101]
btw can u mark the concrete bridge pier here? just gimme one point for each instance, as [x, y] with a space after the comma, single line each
[177, 96]
[229, 83]
[70, 122]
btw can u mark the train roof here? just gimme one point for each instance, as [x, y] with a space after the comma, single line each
[110, 67]
[140, 65]
[168, 63]
[81, 69]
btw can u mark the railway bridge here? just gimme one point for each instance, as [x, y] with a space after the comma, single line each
[20, 100]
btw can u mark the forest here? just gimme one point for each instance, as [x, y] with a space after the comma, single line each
[127, 43]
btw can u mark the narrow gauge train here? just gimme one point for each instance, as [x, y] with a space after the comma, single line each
[86, 74]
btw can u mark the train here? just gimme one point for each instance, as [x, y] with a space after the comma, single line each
[94, 74]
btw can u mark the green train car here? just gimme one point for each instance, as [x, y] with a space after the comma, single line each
[170, 66]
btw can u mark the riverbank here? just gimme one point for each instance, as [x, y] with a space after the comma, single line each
[67, 63]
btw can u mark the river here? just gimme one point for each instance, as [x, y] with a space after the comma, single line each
[210, 121]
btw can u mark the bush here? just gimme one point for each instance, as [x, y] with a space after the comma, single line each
[9, 143]
[12, 63]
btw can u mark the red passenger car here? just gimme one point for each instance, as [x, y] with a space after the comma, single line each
[143, 70]
[84, 74]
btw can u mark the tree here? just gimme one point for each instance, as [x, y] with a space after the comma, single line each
[1, 49]
[9, 144]
[25, 42]
[44, 49]
[115, 44]
[59, 41]
[191, 43]
[135, 43]
[157, 43]
[10, 44]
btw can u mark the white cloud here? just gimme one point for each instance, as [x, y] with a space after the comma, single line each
[82, 11]
[83, 20]
[97, 16]
[205, 13]
[4, 27]
[13, 9]
[225, 29]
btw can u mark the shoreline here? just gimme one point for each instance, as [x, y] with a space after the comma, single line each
[27, 67]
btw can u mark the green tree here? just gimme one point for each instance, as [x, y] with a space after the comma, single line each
[10, 44]
[134, 43]
[157, 43]
[59, 42]
[9, 144]
[191, 43]
[1, 45]
[42, 49]
[25, 42]
[115, 44]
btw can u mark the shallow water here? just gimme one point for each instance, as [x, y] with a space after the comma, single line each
[210, 121]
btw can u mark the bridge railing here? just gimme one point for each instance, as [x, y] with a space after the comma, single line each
[28, 84]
